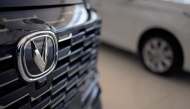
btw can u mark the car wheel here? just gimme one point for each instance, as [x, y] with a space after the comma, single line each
[160, 54]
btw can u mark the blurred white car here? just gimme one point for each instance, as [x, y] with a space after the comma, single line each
[157, 30]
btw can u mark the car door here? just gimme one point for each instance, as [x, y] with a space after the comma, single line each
[118, 21]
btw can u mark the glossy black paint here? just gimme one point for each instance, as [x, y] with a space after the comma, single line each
[25, 3]
[14, 25]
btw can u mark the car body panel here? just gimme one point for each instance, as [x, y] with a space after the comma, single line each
[168, 15]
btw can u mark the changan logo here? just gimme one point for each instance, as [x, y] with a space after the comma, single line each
[37, 55]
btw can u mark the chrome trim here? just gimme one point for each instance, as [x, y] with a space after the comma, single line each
[94, 51]
[2, 107]
[65, 56]
[46, 104]
[4, 30]
[61, 74]
[40, 59]
[62, 98]
[60, 88]
[90, 29]
[73, 72]
[5, 57]
[37, 60]
[56, 21]
[92, 85]
[68, 37]
[69, 86]
[78, 41]
[6, 20]
[71, 94]
[78, 50]
[21, 56]
[79, 34]
[8, 82]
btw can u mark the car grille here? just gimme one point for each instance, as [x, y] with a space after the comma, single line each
[75, 68]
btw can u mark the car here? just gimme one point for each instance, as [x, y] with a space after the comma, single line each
[157, 30]
[48, 55]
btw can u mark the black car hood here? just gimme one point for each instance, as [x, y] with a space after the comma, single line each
[25, 3]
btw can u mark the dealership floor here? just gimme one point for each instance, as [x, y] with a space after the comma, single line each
[127, 85]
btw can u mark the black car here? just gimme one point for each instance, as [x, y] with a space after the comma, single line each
[48, 54]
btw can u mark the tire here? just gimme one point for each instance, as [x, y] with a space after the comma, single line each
[161, 53]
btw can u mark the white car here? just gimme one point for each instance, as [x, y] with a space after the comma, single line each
[157, 30]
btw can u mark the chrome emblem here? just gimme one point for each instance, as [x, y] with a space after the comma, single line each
[37, 55]
[40, 61]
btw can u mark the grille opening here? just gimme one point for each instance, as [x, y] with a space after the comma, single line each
[82, 79]
[77, 46]
[77, 38]
[19, 104]
[96, 44]
[97, 31]
[70, 95]
[62, 62]
[59, 106]
[11, 88]
[6, 65]
[59, 79]
[94, 57]
[72, 82]
[58, 94]
[90, 28]
[40, 99]
[78, 31]
[86, 60]
[83, 72]
[74, 69]
[81, 84]
[72, 78]
[82, 76]
[64, 44]
[90, 33]
[87, 47]
[47, 107]
[6, 49]
[75, 62]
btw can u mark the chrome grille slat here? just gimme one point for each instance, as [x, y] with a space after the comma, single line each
[59, 100]
[17, 94]
[32, 99]
[42, 103]
[64, 52]
[8, 56]
[74, 69]
[72, 82]
[60, 71]
[8, 77]
[65, 37]
[59, 86]
[70, 94]
[76, 54]
[78, 38]
[14, 101]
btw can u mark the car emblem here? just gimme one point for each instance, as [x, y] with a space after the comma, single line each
[37, 55]
[40, 61]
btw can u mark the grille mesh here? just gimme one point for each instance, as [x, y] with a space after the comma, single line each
[75, 68]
